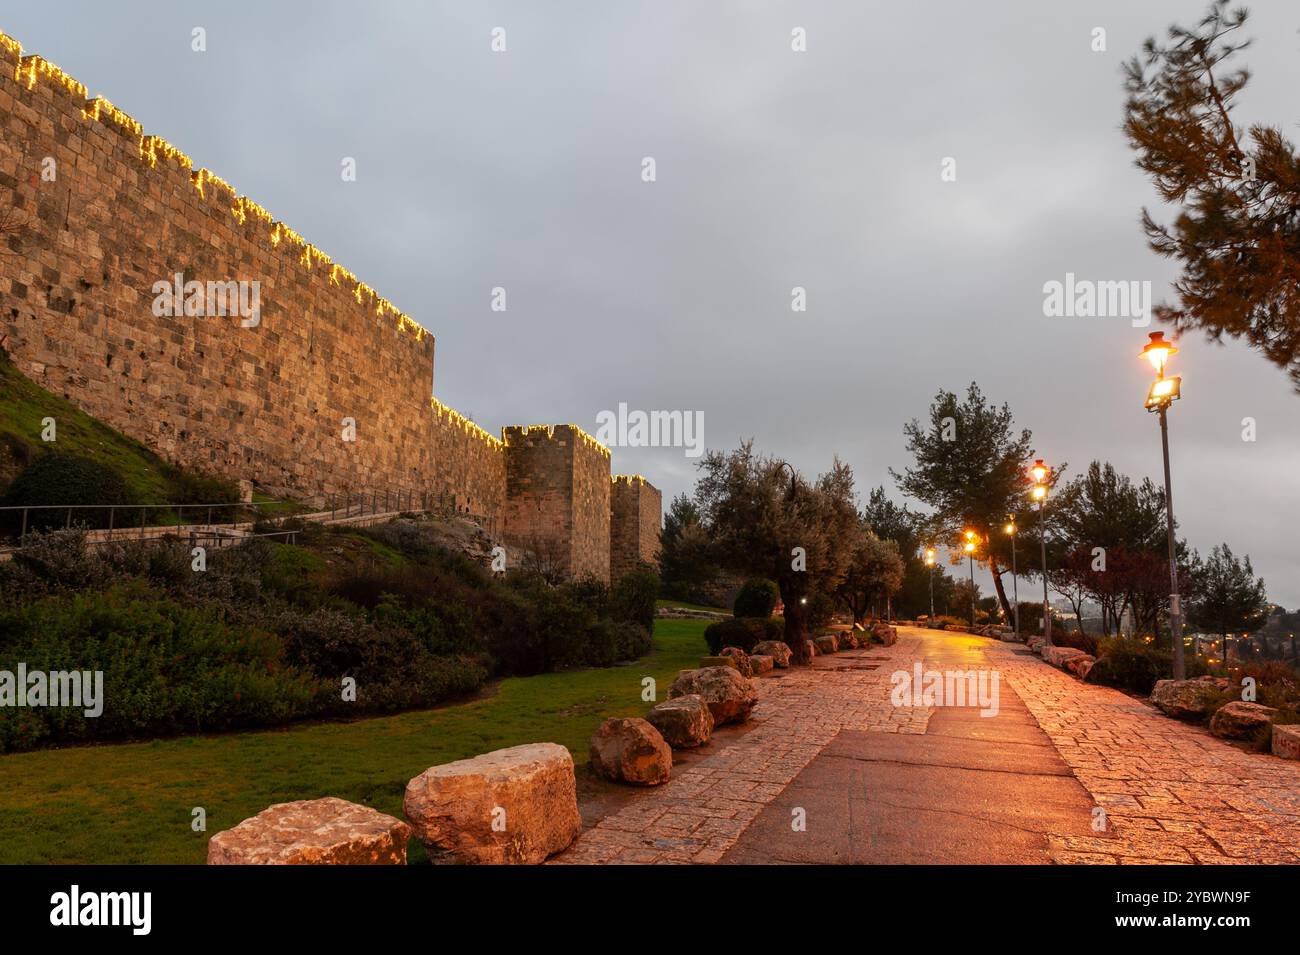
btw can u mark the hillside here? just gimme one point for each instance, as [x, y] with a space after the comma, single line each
[149, 478]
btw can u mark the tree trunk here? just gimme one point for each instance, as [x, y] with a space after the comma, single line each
[1002, 593]
[796, 623]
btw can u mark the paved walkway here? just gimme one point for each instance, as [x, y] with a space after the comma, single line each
[832, 771]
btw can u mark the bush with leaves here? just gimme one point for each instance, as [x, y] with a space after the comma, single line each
[758, 597]
[167, 668]
[64, 480]
[633, 598]
[1135, 665]
[742, 632]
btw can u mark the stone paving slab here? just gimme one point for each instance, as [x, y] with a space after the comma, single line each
[699, 814]
[1172, 793]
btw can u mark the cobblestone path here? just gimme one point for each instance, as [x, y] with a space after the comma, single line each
[1171, 792]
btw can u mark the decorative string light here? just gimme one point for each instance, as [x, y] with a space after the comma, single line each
[458, 420]
[101, 107]
[30, 69]
[585, 438]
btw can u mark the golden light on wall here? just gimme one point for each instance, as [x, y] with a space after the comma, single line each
[458, 420]
[585, 438]
[32, 69]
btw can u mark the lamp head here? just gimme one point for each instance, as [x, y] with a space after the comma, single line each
[1158, 352]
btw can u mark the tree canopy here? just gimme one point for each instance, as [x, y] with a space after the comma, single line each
[1237, 233]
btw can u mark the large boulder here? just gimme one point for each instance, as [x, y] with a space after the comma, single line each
[847, 639]
[511, 806]
[885, 634]
[630, 750]
[1187, 699]
[720, 661]
[1059, 656]
[327, 831]
[1240, 720]
[827, 643]
[1081, 664]
[684, 722]
[810, 649]
[729, 695]
[741, 658]
[778, 650]
[761, 664]
[1286, 740]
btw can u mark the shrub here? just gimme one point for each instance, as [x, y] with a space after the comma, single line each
[945, 622]
[820, 611]
[757, 598]
[393, 668]
[406, 537]
[611, 641]
[60, 478]
[58, 560]
[1086, 642]
[190, 487]
[590, 592]
[633, 598]
[1135, 665]
[167, 668]
[742, 632]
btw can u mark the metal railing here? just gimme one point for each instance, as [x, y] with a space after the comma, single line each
[130, 521]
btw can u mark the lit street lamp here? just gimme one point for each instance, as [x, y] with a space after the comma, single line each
[970, 556]
[1010, 531]
[929, 562]
[1041, 471]
[1164, 392]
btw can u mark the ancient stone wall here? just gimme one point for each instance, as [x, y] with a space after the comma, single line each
[557, 497]
[636, 509]
[326, 390]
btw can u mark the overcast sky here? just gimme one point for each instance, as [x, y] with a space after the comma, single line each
[774, 169]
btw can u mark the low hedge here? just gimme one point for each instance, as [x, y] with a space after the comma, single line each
[1135, 665]
[742, 632]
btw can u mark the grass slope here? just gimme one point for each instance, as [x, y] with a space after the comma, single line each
[23, 406]
[132, 803]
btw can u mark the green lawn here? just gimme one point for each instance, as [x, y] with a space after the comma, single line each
[132, 803]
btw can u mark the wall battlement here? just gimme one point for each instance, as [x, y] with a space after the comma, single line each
[329, 392]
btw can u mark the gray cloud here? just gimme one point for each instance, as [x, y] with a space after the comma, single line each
[821, 170]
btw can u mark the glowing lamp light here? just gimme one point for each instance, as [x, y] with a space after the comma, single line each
[1010, 528]
[1039, 492]
[970, 547]
[1158, 352]
[803, 600]
[1039, 470]
[929, 557]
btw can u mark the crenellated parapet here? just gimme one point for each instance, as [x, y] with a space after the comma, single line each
[322, 389]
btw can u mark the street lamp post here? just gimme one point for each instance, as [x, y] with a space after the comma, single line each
[1015, 587]
[929, 562]
[970, 556]
[1164, 392]
[1041, 471]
